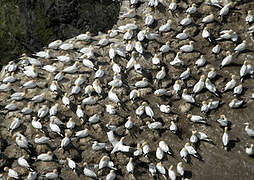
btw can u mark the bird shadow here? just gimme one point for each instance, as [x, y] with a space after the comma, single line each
[232, 144]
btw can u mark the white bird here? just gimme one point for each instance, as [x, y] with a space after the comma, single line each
[66, 100]
[231, 84]
[15, 124]
[225, 138]
[248, 130]
[84, 37]
[104, 41]
[130, 166]
[183, 35]
[148, 110]
[82, 133]
[88, 63]
[241, 47]
[71, 164]
[184, 154]
[171, 173]
[204, 107]
[177, 61]
[159, 153]
[165, 48]
[166, 27]
[201, 61]
[172, 6]
[161, 74]
[11, 173]
[185, 75]
[32, 175]
[39, 98]
[187, 98]
[194, 139]
[53, 110]
[55, 128]
[243, 70]
[238, 89]
[250, 17]
[191, 150]
[99, 73]
[192, 9]
[43, 54]
[88, 172]
[186, 21]
[112, 174]
[138, 47]
[216, 49]
[164, 147]
[65, 59]
[152, 169]
[23, 163]
[52, 175]
[138, 151]
[89, 100]
[173, 128]
[180, 169]
[206, 34]
[130, 14]
[43, 111]
[112, 96]
[128, 35]
[187, 48]
[28, 109]
[71, 69]
[5, 87]
[156, 60]
[161, 169]
[199, 85]
[70, 124]
[203, 137]
[36, 124]
[59, 76]
[129, 46]
[211, 87]
[164, 108]
[11, 78]
[65, 141]
[45, 156]
[94, 119]
[41, 140]
[223, 121]
[49, 68]
[146, 148]
[55, 44]
[249, 150]
[149, 20]
[196, 119]
[97, 86]
[212, 74]
[208, 19]
[142, 84]
[154, 125]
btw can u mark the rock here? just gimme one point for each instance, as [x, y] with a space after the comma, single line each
[29, 25]
[184, 108]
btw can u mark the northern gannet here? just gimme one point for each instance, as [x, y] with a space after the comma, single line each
[208, 19]
[186, 21]
[171, 173]
[55, 44]
[225, 138]
[196, 119]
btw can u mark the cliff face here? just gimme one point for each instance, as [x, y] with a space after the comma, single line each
[28, 25]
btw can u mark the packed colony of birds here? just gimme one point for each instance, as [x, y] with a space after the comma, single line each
[55, 90]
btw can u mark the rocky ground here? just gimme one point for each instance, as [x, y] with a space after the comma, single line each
[216, 164]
